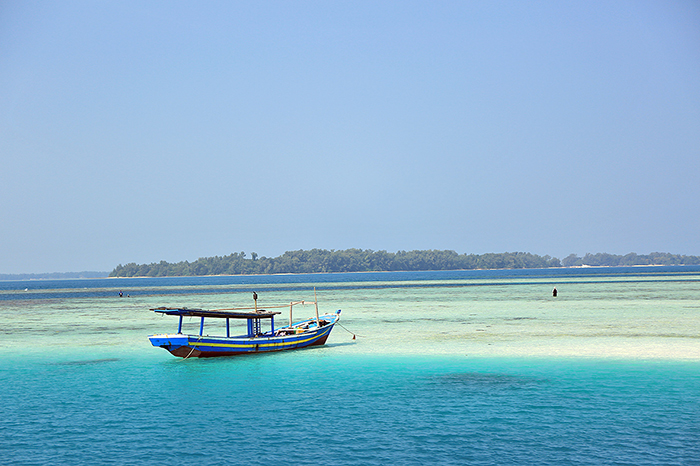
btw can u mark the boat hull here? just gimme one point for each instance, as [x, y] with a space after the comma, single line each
[187, 346]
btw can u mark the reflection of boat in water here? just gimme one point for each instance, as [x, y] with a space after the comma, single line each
[309, 332]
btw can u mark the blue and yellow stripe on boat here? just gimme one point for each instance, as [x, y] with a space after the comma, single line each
[300, 340]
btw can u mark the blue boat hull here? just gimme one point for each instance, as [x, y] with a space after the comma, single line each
[186, 346]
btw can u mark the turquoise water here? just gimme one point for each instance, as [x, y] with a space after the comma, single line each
[446, 368]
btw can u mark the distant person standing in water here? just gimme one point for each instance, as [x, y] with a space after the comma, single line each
[554, 292]
[120, 294]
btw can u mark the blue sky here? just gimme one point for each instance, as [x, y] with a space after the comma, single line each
[147, 131]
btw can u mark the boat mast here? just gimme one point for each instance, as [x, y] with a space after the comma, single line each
[316, 303]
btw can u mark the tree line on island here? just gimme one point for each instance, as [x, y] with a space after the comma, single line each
[367, 260]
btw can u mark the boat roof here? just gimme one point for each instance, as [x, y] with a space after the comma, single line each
[221, 314]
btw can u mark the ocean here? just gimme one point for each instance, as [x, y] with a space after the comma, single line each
[455, 367]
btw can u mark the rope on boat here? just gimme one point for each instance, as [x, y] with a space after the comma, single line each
[193, 347]
[341, 326]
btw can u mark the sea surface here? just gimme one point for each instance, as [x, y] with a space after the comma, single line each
[458, 367]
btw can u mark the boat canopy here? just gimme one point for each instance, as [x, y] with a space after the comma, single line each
[217, 313]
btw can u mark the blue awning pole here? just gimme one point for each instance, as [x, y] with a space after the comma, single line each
[228, 329]
[272, 324]
[201, 327]
[179, 326]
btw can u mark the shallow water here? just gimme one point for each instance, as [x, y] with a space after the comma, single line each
[445, 369]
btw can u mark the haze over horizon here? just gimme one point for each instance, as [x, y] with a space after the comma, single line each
[148, 131]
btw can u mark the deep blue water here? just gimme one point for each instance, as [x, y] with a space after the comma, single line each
[309, 407]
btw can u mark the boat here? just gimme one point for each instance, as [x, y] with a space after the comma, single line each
[313, 331]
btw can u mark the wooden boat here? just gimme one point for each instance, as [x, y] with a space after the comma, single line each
[309, 332]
